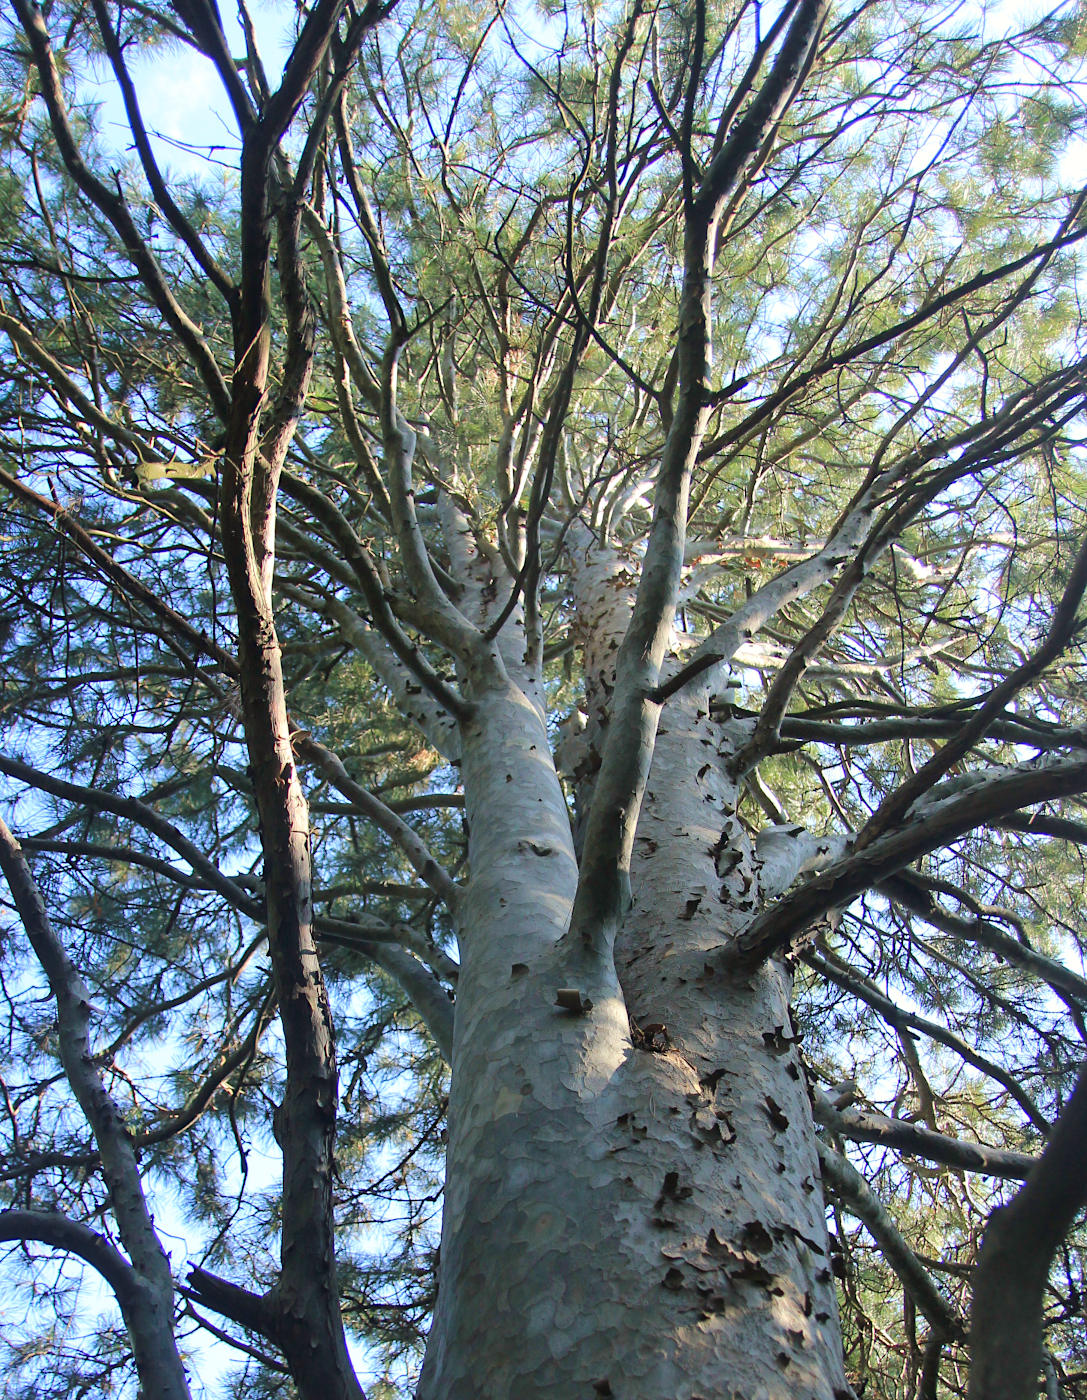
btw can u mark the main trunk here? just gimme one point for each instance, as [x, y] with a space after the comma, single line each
[633, 1196]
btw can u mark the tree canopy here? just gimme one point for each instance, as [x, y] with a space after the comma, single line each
[633, 356]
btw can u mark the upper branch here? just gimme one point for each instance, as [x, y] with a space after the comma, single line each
[939, 822]
[112, 204]
[159, 189]
[628, 750]
[757, 126]
[1061, 630]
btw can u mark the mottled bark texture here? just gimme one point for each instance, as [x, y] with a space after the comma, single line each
[633, 1202]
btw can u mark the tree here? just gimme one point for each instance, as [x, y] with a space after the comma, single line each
[553, 559]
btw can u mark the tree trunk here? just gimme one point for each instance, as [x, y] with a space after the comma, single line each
[633, 1202]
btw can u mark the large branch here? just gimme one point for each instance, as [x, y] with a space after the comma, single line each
[1013, 1267]
[423, 990]
[148, 1303]
[852, 1191]
[603, 886]
[917, 1140]
[934, 824]
[59, 1232]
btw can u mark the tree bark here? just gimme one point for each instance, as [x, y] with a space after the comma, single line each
[633, 1194]
[1013, 1267]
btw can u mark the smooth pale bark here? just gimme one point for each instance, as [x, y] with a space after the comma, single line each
[633, 1202]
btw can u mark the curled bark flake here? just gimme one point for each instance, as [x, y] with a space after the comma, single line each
[777, 1042]
[653, 1038]
[775, 1113]
[572, 999]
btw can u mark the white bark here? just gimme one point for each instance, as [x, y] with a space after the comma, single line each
[634, 1203]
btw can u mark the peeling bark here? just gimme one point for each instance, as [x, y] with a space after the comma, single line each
[634, 1201]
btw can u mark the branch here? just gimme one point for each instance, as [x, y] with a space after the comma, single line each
[429, 870]
[373, 590]
[1065, 237]
[128, 583]
[853, 1192]
[917, 1140]
[149, 1299]
[248, 1310]
[939, 822]
[131, 809]
[159, 189]
[418, 704]
[66, 388]
[423, 990]
[343, 331]
[789, 586]
[933, 724]
[914, 893]
[603, 885]
[1016, 1252]
[203, 21]
[1061, 630]
[762, 118]
[836, 971]
[112, 205]
[51, 1228]
[443, 618]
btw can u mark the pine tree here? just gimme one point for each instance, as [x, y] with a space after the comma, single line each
[542, 652]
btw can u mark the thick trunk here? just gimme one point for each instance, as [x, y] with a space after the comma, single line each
[632, 1209]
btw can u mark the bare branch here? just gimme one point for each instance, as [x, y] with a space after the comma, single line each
[147, 1294]
[853, 1192]
[1013, 1267]
[917, 1140]
[942, 821]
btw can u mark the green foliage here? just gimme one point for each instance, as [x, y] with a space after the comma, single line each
[511, 205]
